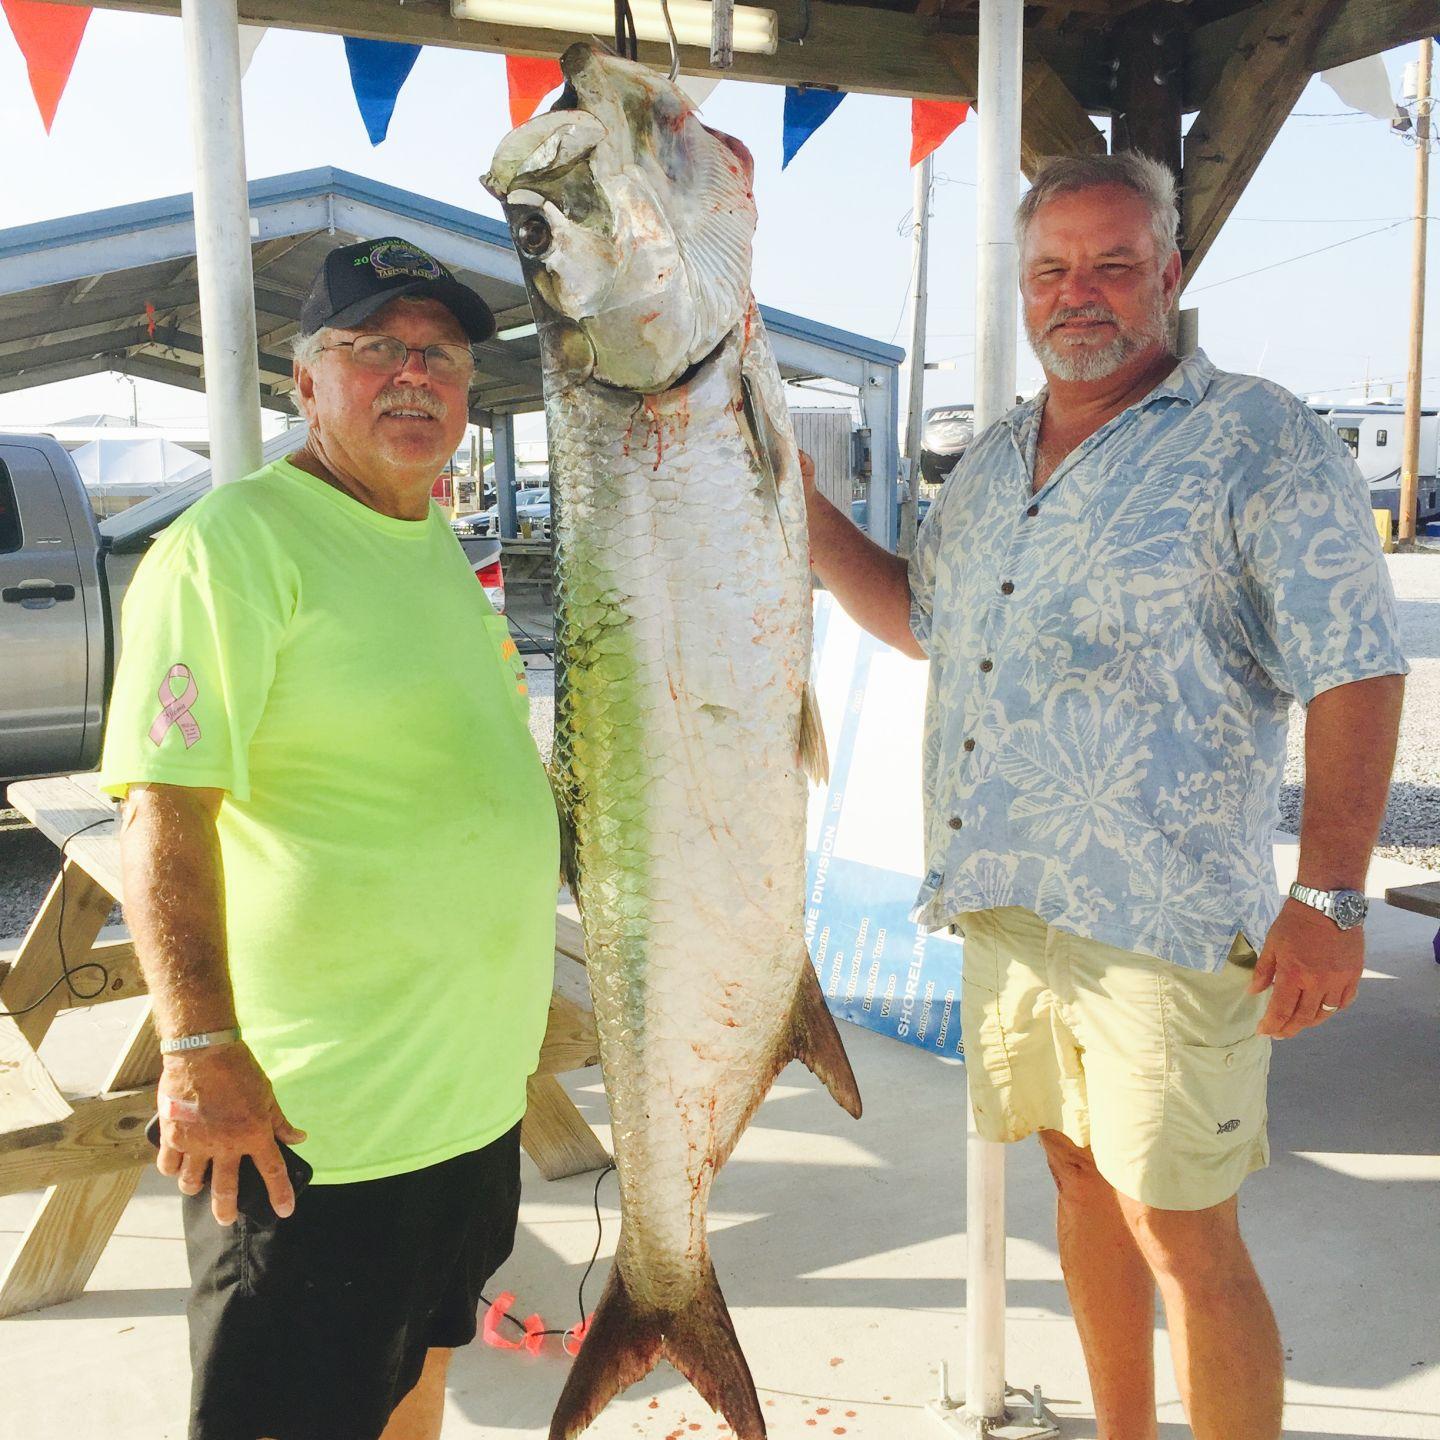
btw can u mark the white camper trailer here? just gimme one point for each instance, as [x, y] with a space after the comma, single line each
[1374, 433]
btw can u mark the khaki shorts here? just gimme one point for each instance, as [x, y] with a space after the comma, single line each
[1156, 1068]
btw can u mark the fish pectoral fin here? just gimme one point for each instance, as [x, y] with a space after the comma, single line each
[818, 1045]
[814, 753]
[761, 442]
[569, 864]
[626, 1340]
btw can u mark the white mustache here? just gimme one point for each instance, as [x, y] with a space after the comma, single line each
[1081, 312]
[404, 397]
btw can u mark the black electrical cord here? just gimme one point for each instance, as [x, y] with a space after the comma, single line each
[627, 42]
[594, 1255]
[67, 973]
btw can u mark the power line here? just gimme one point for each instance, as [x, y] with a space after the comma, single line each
[1245, 275]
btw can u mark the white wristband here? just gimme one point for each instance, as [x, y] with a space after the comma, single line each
[178, 1044]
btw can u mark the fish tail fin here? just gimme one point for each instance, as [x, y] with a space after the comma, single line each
[814, 753]
[818, 1045]
[700, 1342]
[625, 1341]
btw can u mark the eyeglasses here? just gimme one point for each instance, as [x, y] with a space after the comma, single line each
[452, 364]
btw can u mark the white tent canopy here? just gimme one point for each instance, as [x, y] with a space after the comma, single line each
[139, 464]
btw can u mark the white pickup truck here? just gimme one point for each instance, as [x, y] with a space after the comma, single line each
[62, 579]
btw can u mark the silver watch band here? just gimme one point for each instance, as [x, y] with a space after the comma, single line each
[1316, 899]
[179, 1044]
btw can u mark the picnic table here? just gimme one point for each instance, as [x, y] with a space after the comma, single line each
[88, 1152]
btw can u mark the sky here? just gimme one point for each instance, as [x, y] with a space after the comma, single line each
[833, 241]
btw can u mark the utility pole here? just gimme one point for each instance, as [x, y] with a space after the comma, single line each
[1410, 454]
[915, 414]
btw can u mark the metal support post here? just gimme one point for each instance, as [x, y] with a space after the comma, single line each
[222, 237]
[984, 1411]
[880, 411]
[915, 403]
[502, 432]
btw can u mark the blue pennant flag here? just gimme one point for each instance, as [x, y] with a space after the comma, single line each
[378, 68]
[805, 112]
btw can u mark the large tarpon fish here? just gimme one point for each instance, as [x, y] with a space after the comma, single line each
[683, 719]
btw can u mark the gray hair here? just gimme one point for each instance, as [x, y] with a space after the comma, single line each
[307, 348]
[1147, 178]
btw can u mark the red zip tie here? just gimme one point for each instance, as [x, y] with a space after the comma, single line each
[574, 1337]
[499, 1310]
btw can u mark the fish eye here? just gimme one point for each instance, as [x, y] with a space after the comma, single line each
[532, 235]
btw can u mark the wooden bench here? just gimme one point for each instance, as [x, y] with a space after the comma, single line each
[88, 1152]
[1423, 899]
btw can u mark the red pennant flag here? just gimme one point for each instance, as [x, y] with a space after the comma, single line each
[931, 121]
[530, 80]
[48, 37]
[150, 319]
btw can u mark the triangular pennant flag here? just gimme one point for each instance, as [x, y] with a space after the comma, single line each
[48, 37]
[931, 122]
[250, 38]
[530, 78]
[806, 111]
[378, 68]
[698, 87]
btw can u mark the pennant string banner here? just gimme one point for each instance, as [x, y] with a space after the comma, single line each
[378, 68]
[931, 123]
[49, 38]
[805, 112]
[250, 38]
[530, 79]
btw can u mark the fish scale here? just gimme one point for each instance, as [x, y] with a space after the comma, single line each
[682, 647]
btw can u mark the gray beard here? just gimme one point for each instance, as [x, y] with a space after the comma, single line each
[1087, 363]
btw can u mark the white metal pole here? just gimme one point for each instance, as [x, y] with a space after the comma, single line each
[915, 404]
[998, 102]
[222, 236]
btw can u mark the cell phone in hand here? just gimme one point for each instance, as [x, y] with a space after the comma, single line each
[253, 1199]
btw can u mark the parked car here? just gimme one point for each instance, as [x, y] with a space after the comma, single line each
[476, 525]
[533, 506]
[62, 580]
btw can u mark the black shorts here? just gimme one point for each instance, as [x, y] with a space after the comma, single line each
[316, 1327]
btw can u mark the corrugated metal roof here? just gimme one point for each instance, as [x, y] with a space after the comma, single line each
[74, 291]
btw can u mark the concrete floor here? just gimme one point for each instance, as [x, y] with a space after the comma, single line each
[840, 1248]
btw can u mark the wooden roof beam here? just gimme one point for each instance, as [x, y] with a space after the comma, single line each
[1356, 29]
[1249, 102]
[1052, 120]
[885, 52]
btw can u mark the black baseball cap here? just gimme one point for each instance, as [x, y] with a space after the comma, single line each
[357, 280]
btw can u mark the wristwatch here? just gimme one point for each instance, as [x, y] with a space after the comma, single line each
[1345, 907]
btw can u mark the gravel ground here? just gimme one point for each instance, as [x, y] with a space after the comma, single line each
[1411, 831]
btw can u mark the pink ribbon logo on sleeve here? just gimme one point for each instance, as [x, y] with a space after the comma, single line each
[175, 709]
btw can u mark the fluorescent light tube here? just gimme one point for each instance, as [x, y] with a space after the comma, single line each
[756, 30]
[517, 332]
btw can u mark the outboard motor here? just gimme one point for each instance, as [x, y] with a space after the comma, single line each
[948, 430]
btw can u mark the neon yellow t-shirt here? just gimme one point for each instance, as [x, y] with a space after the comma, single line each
[388, 835]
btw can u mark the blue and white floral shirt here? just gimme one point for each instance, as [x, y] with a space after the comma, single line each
[1112, 660]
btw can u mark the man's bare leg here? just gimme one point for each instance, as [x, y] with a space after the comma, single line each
[1222, 1330]
[1112, 1293]
[419, 1414]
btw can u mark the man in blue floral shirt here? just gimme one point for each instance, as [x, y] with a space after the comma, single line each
[1121, 589]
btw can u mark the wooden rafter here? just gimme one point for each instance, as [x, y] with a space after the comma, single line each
[882, 52]
[1251, 98]
[1052, 120]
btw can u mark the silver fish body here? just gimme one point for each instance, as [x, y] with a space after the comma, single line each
[682, 653]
